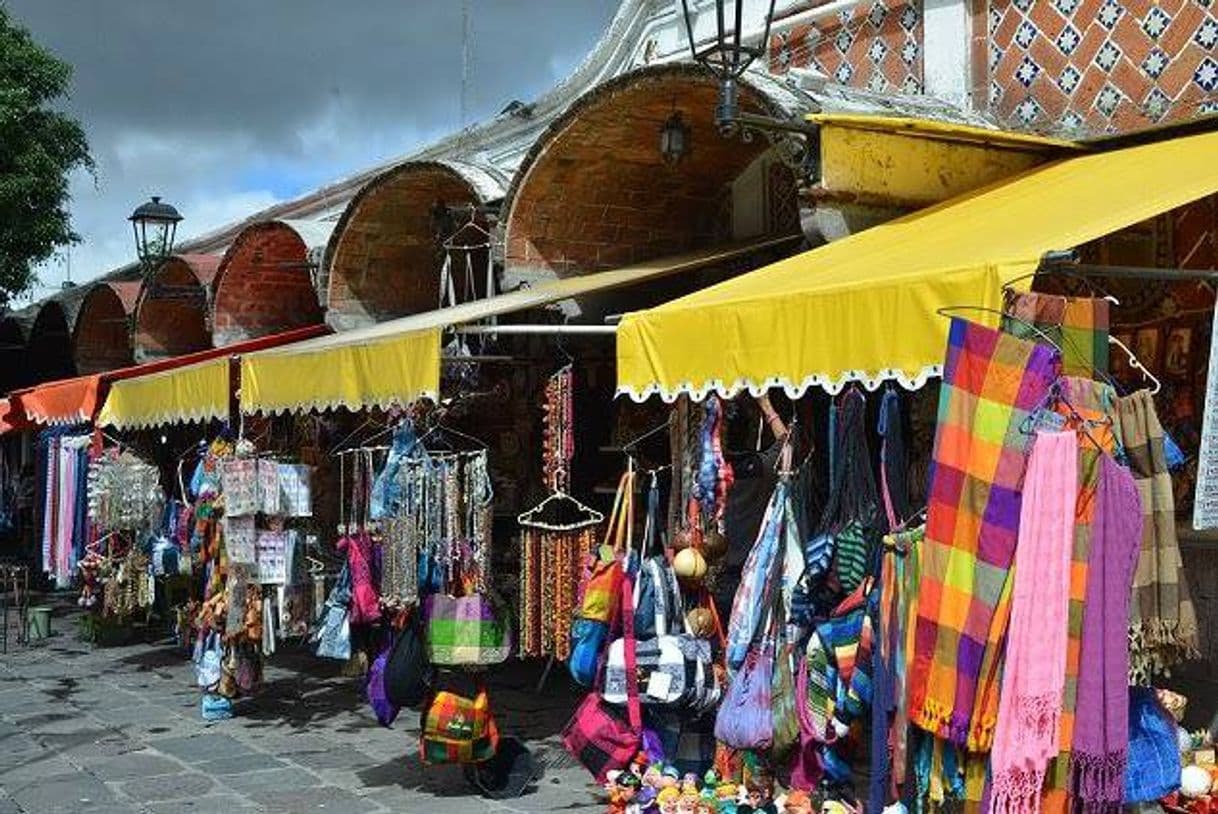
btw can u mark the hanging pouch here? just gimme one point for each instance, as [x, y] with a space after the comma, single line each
[209, 665]
[408, 673]
[465, 631]
[600, 594]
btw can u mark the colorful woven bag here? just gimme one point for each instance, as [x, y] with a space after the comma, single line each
[457, 729]
[465, 630]
[597, 735]
[601, 591]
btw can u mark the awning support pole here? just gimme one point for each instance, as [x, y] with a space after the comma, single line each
[544, 330]
[1132, 272]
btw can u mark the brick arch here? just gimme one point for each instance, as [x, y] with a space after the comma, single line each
[101, 339]
[15, 368]
[171, 317]
[595, 193]
[50, 344]
[265, 282]
[384, 257]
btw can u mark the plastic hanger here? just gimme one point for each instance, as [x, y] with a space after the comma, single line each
[591, 517]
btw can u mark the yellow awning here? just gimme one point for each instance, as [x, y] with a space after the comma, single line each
[398, 361]
[863, 308]
[376, 372]
[181, 395]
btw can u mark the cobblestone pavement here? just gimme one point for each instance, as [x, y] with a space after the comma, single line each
[117, 729]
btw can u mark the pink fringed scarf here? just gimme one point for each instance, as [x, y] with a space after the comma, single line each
[1029, 708]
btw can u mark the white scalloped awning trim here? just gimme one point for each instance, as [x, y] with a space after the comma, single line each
[354, 405]
[58, 419]
[166, 418]
[829, 383]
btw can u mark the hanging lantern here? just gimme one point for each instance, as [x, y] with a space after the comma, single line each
[674, 139]
[155, 224]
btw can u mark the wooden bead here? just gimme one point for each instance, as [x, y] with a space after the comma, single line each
[689, 565]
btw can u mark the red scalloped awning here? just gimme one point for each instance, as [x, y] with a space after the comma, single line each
[77, 400]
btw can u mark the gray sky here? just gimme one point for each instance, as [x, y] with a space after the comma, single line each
[227, 106]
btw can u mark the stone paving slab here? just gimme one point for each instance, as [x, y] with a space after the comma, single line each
[118, 730]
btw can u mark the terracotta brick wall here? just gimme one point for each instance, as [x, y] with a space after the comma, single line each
[875, 45]
[384, 258]
[598, 195]
[102, 337]
[1095, 66]
[172, 315]
[263, 286]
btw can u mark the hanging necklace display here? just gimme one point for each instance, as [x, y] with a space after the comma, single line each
[556, 535]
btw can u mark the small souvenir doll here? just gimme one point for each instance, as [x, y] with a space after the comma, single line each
[669, 799]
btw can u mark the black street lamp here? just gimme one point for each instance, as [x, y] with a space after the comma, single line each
[727, 58]
[155, 224]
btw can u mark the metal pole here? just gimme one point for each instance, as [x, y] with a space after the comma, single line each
[544, 330]
[1132, 272]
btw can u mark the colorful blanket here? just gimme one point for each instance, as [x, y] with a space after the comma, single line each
[1079, 325]
[992, 382]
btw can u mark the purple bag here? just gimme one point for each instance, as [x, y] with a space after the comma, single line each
[806, 767]
[746, 717]
[386, 711]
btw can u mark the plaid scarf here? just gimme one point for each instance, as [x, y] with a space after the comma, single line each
[991, 383]
[1163, 628]
[1079, 325]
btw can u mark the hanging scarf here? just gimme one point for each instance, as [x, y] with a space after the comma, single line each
[1102, 712]
[1034, 673]
[1164, 621]
[1079, 325]
[991, 383]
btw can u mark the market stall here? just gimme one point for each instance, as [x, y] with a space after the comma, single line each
[977, 651]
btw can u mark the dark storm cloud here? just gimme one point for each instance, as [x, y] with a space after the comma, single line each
[228, 105]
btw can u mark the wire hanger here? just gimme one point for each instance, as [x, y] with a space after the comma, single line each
[1064, 271]
[1055, 394]
[946, 310]
[472, 224]
[441, 431]
[1136, 364]
[631, 447]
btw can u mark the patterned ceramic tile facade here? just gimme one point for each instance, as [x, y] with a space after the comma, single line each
[876, 45]
[1094, 66]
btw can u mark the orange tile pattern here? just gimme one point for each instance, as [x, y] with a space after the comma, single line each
[875, 45]
[1095, 66]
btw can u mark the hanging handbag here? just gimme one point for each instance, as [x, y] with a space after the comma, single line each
[385, 710]
[600, 594]
[209, 663]
[333, 635]
[457, 729]
[408, 673]
[785, 708]
[465, 630]
[597, 735]
[806, 768]
[746, 717]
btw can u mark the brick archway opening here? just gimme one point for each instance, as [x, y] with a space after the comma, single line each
[595, 193]
[171, 318]
[101, 340]
[50, 345]
[15, 365]
[264, 285]
[384, 257]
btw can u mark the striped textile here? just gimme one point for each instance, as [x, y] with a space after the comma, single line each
[1164, 621]
[991, 383]
[1078, 324]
